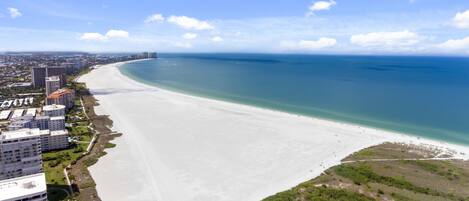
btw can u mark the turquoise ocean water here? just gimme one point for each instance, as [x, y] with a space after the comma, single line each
[423, 96]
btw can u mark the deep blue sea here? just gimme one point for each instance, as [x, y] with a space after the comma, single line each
[424, 96]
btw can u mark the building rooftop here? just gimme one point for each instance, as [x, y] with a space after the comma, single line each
[60, 92]
[21, 186]
[52, 79]
[31, 112]
[21, 133]
[42, 117]
[5, 114]
[17, 113]
[59, 132]
[57, 118]
[53, 107]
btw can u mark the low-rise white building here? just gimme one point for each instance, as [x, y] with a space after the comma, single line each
[53, 140]
[5, 114]
[30, 188]
[31, 112]
[22, 122]
[17, 113]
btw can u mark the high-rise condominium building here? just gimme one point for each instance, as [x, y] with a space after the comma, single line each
[20, 153]
[52, 84]
[39, 74]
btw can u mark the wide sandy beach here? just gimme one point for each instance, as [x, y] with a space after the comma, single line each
[177, 147]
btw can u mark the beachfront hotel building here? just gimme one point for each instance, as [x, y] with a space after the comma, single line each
[30, 188]
[52, 84]
[63, 96]
[20, 153]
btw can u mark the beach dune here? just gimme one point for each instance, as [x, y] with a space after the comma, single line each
[177, 147]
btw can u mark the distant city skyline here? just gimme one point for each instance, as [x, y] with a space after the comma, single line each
[402, 27]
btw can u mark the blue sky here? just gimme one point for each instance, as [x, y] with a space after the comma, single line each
[323, 26]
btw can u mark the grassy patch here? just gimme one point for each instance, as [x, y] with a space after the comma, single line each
[307, 191]
[56, 161]
[80, 130]
[110, 145]
[90, 161]
[363, 174]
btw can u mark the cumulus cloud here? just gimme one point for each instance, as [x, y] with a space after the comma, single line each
[461, 20]
[456, 44]
[111, 34]
[117, 34]
[189, 36]
[322, 5]
[154, 18]
[309, 45]
[14, 13]
[190, 23]
[217, 39]
[385, 39]
[92, 37]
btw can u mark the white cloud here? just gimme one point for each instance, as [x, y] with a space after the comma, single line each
[309, 45]
[217, 39]
[385, 39]
[456, 44]
[189, 36]
[322, 5]
[190, 23]
[461, 20]
[117, 34]
[154, 18]
[92, 37]
[14, 13]
[111, 34]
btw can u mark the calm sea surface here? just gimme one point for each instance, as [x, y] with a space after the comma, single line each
[425, 96]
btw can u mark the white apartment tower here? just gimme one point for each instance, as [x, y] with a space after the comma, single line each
[52, 84]
[20, 153]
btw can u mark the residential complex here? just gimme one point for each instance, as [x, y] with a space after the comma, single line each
[26, 129]
[43, 122]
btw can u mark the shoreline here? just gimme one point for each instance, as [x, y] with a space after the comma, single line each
[378, 136]
[198, 95]
[407, 137]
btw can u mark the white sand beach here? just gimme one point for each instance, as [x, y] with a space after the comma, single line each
[177, 147]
